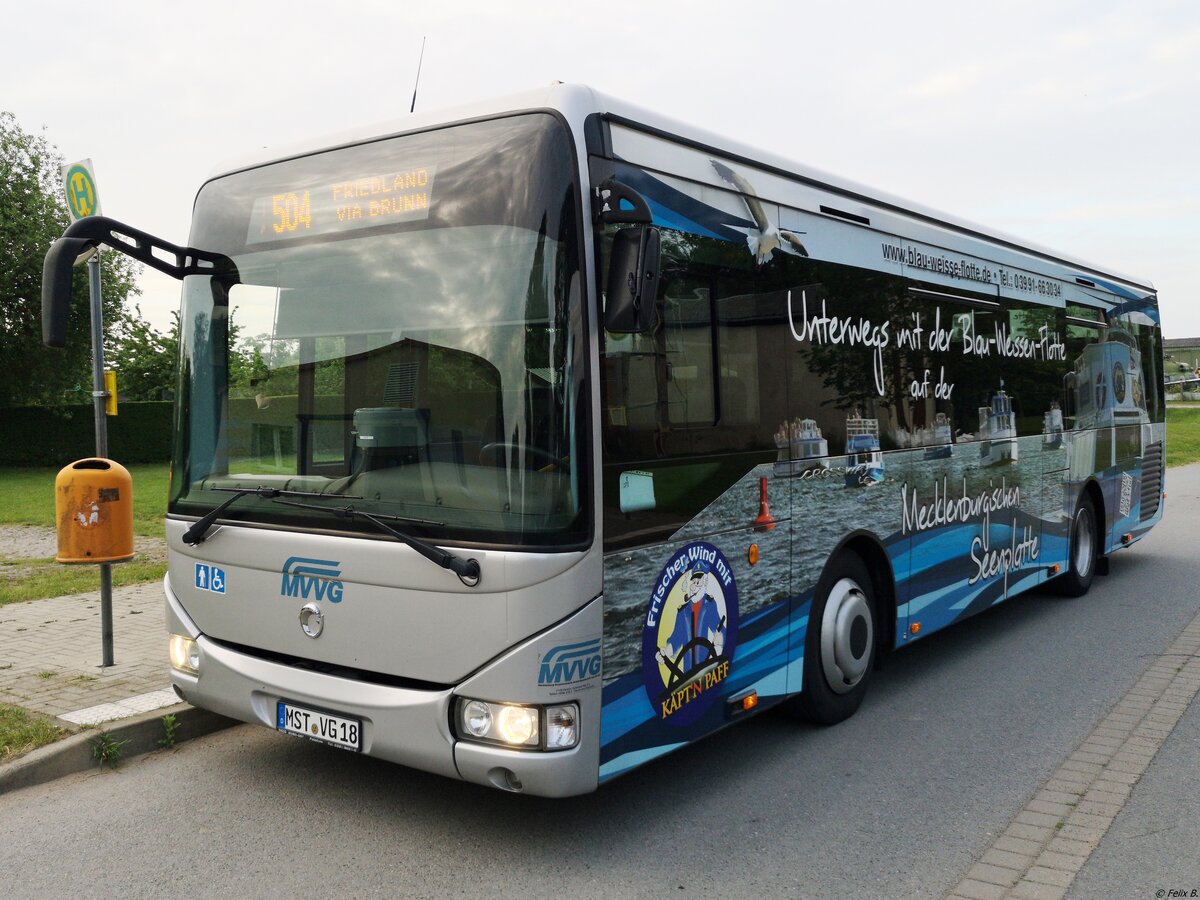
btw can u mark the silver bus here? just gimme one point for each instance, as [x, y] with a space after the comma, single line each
[531, 441]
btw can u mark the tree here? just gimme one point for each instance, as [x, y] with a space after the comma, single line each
[248, 363]
[33, 214]
[145, 358]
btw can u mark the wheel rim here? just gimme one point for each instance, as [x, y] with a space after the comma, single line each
[1084, 542]
[847, 636]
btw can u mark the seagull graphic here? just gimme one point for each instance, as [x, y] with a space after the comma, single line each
[769, 237]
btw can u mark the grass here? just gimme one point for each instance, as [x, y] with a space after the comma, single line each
[1183, 435]
[22, 731]
[27, 497]
[37, 579]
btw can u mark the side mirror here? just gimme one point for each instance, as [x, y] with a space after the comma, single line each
[57, 270]
[632, 281]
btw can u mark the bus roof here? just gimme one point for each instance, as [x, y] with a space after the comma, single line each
[576, 102]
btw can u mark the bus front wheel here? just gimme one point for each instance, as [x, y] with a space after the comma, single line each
[1083, 550]
[839, 649]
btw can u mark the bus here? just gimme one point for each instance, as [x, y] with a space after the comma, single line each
[529, 442]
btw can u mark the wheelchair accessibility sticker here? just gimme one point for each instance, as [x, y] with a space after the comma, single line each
[210, 578]
[690, 633]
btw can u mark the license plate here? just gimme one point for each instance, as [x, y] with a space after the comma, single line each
[319, 726]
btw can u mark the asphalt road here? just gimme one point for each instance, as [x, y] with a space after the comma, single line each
[956, 735]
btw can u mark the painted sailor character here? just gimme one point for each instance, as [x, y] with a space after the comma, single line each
[698, 616]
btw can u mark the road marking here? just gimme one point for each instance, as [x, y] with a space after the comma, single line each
[1047, 843]
[121, 709]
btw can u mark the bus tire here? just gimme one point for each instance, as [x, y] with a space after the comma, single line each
[840, 646]
[1083, 549]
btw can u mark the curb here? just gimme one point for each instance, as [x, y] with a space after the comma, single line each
[74, 754]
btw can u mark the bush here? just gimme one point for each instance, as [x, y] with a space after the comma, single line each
[55, 436]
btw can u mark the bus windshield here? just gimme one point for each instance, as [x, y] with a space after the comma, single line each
[401, 324]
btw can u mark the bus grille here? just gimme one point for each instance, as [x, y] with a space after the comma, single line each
[1152, 477]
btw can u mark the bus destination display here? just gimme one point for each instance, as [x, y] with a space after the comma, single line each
[364, 201]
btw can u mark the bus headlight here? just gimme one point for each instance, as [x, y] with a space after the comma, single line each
[519, 727]
[477, 718]
[184, 653]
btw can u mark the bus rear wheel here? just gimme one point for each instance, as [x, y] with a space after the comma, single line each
[839, 649]
[1083, 550]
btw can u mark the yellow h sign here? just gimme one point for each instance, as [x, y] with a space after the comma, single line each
[83, 199]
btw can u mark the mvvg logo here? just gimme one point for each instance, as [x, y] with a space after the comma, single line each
[570, 663]
[304, 577]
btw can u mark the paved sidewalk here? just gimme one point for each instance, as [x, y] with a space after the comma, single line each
[1065, 824]
[50, 654]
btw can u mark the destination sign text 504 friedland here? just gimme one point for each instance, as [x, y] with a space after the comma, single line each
[358, 201]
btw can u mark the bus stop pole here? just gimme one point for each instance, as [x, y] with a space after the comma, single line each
[98, 397]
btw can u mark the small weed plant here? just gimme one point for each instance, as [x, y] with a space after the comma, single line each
[107, 750]
[170, 725]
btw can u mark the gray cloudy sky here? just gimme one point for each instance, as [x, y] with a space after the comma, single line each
[1072, 124]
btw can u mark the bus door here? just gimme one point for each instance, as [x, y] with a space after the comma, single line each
[1129, 427]
[696, 519]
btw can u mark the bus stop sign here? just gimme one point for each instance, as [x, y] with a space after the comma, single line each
[79, 181]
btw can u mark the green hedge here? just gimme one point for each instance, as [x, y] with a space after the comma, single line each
[55, 436]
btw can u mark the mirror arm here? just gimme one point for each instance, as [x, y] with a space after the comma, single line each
[146, 248]
[87, 234]
[609, 195]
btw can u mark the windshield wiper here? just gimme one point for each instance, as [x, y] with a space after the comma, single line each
[467, 570]
[199, 530]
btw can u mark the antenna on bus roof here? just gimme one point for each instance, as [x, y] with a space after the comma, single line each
[418, 80]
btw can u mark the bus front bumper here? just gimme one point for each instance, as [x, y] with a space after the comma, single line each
[408, 726]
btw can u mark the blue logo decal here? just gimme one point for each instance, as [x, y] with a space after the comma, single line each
[210, 578]
[690, 633]
[316, 578]
[570, 663]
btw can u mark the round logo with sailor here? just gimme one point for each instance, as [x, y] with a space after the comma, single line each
[690, 633]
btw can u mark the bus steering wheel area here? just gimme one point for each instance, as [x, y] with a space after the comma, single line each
[492, 454]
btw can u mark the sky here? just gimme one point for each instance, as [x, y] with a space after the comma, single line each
[1074, 125]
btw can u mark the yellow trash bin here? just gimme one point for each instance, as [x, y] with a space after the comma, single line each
[93, 505]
